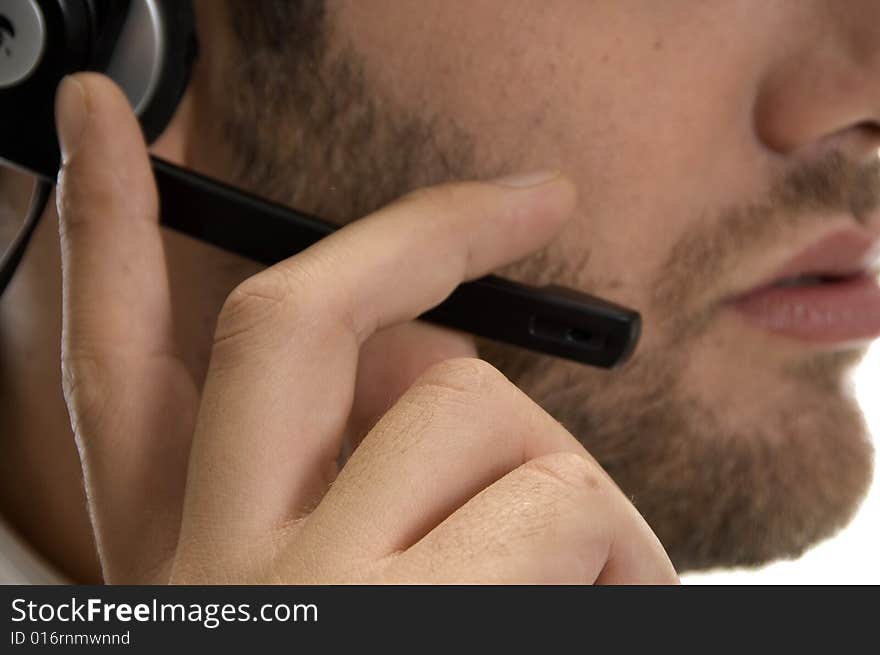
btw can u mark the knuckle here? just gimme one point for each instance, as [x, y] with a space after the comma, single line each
[468, 375]
[569, 472]
[267, 296]
[82, 378]
[446, 397]
[88, 197]
[71, 213]
[264, 289]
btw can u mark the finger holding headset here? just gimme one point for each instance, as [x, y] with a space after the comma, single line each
[464, 479]
[131, 400]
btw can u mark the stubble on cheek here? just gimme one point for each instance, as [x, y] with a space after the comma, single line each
[734, 457]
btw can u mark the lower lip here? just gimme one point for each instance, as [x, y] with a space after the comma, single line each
[833, 313]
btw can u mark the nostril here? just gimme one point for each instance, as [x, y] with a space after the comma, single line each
[863, 139]
[857, 144]
[870, 132]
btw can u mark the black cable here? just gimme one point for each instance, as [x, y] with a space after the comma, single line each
[11, 259]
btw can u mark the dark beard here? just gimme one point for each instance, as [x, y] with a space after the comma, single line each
[305, 128]
[713, 495]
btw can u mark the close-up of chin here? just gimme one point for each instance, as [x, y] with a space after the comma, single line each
[843, 556]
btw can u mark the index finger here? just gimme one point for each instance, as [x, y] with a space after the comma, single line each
[282, 372]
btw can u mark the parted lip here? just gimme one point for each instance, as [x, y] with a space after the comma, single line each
[826, 296]
[842, 254]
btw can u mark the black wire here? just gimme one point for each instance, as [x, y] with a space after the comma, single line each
[12, 258]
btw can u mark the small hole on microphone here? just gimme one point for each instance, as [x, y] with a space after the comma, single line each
[578, 335]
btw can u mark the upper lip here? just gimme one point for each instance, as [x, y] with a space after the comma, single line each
[841, 254]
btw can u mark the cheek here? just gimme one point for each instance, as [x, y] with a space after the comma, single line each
[640, 123]
[750, 378]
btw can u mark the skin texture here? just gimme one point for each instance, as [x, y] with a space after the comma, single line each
[233, 484]
[706, 147]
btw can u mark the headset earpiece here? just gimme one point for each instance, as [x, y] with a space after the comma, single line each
[146, 46]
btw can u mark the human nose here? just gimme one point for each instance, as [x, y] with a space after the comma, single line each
[822, 92]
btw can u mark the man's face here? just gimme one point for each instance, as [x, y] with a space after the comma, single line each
[712, 142]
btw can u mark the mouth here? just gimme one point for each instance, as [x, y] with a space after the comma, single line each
[829, 294]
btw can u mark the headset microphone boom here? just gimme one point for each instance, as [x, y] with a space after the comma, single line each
[147, 47]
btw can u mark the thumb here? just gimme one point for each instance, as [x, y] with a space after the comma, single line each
[130, 399]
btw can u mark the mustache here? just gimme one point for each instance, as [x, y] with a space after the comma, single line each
[833, 184]
[802, 199]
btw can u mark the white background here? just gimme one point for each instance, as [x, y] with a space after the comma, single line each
[853, 556]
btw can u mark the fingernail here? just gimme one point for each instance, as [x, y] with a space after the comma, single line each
[525, 180]
[70, 116]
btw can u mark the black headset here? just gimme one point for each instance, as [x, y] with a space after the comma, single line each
[147, 47]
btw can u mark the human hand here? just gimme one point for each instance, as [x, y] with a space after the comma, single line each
[463, 479]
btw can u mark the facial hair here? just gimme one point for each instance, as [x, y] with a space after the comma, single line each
[305, 128]
[719, 494]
